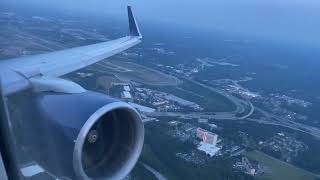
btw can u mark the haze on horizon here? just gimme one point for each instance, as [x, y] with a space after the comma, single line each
[277, 20]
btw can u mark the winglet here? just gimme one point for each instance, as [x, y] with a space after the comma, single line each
[133, 26]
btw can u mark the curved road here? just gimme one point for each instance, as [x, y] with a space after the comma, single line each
[240, 108]
[231, 115]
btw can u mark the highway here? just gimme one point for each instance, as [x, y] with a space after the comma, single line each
[157, 174]
[241, 105]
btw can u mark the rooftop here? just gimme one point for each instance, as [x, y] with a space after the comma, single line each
[208, 148]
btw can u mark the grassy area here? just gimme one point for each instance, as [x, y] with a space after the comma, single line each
[278, 170]
[140, 172]
[142, 74]
[151, 159]
[212, 101]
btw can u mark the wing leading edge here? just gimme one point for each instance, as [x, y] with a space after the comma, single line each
[16, 72]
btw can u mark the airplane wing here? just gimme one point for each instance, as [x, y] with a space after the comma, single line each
[88, 135]
[19, 71]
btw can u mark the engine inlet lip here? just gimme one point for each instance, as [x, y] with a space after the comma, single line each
[81, 138]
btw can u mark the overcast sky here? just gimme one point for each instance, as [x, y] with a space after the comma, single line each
[296, 20]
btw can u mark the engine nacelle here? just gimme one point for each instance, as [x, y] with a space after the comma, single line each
[87, 135]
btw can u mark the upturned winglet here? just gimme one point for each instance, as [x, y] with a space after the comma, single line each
[133, 26]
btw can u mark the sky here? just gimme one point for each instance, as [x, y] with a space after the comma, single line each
[283, 20]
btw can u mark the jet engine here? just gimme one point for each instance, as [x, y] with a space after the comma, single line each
[85, 135]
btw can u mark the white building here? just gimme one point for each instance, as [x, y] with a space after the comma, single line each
[126, 95]
[209, 149]
[126, 88]
[202, 120]
[213, 125]
[159, 103]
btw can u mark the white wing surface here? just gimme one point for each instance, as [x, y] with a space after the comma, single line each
[16, 72]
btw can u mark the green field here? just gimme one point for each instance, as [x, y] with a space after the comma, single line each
[142, 74]
[278, 170]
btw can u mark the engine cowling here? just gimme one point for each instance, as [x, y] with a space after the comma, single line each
[87, 135]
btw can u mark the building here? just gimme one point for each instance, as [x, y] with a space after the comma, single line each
[248, 166]
[206, 136]
[189, 128]
[159, 103]
[126, 88]
[208, 143]
[126, 95]
[173, 123]
[84, 75]
[212, 125]
[202, 120]
[120, 84]
[209, 149]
